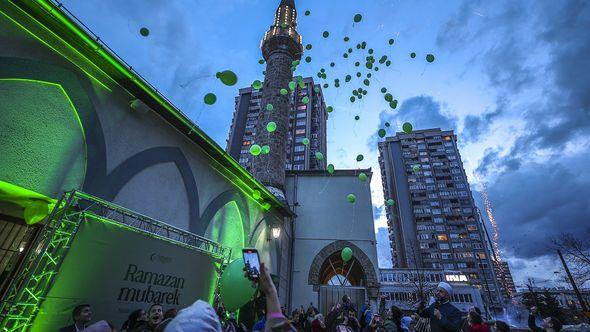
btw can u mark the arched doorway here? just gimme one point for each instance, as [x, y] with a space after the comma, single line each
[336, 272]
[332, 278]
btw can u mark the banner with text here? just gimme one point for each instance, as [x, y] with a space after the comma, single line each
[117, 270]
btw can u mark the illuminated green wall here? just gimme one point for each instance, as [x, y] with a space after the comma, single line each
[41, 141]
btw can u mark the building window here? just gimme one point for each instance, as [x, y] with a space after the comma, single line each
[299, 131]
[449, 266]
[299, 148]
[443, 246]
[481, 255]
[442, 237]
[432, 195]
[298, 167]
[299, 158]
[301, 115]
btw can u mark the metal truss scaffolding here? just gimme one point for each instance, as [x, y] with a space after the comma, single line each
[36, 275]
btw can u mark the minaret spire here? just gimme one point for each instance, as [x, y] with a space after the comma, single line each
[280, 46]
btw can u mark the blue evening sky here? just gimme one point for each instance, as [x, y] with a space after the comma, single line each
[510, 77]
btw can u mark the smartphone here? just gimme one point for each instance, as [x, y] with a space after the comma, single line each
[252, 263]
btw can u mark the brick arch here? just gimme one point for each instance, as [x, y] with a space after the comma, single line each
[327, 251]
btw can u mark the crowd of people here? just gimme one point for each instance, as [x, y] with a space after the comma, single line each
[440, 316]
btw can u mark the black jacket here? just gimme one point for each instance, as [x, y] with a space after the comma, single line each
[451, 318]
[69, 328]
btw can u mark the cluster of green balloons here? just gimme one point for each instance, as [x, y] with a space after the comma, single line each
[144, 32]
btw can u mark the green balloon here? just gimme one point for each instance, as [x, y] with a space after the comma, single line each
[227, 77]
[346, 39]
[355, 92]
[357, 118]
[358, 18]
[351, 198]
[308, 59]
[416, 168]
[305, 141]
[362, 177]
[407, 128]
[412, 55]
[332, 64]
[387, 124]
[256, 85]
[381, 133]
[388, 97]
[391, 41]
[347, 78]
[430, 58]
[255, 149]
[330, 168]
[284, 92]
[235, 289]
[319, 156]
[330, 109]
[357, 64]
[271, 127]
[393, 104]
[35, 212]
[316, 89]
[308, 47]
[326, 34]
[265, 149]
[371, 51]
[261, 61]
[305, 100]
[383, 90]
[388, 63]
[284, 25]
[366, 82]
[390, 202]
[295, 63]
[346, 253]
[144, 31]
[345, 55]
[360, 157]
[269, 107]
[326, 85]
[292, 86]
[307, 13]
[210, 98]
[301, 85]
[352, 99]
[358, 74]
[256, 194]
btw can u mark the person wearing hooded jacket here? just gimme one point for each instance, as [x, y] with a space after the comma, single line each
[444, 317]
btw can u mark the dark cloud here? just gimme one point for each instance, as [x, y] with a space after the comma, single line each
[383, 248]
[422, 112]
[537, 50]
[475, 126]
[537, 202]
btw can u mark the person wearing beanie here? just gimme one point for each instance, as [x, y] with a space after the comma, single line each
[444, 317]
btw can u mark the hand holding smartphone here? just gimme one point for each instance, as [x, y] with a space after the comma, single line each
[252, 263]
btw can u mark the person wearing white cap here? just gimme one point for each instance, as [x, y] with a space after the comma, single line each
[444, 317]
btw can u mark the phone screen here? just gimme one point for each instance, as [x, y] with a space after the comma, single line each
[252, 263]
